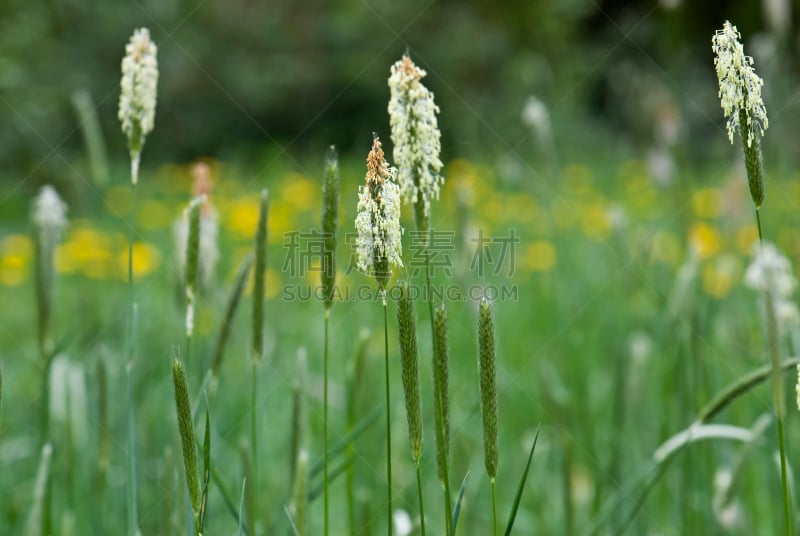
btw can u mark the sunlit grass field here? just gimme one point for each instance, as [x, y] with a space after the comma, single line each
[626, 313]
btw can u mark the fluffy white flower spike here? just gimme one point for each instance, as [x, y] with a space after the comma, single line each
[137, 99]
[416, 138]
[739, 86]
[49, 212]
[770, 272]
[378, 246]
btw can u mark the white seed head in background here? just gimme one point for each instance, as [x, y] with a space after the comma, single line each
[415, 134]
[739, 85]
[137, 99]
[50, 212]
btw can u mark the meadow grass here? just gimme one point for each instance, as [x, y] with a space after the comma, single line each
[585, 349]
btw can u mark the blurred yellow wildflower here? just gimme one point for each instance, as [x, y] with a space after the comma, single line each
[705, 240]
[241, 215]
[145, 259]
[280, 221]
[299, 192]
[719, 276]
[706, 203]
[17, 251]
[272, 284]
[596, 222]
[539, 256]
[87, 251]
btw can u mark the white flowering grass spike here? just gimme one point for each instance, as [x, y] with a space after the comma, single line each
[50, 212]
[770, 272]
[378, 246]
[739, 85]
[137, 99]
[416, 138]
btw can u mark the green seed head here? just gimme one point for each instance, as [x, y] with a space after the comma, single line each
[330, 220]
[440, 392]
[410, 368]
[186, 428]
[487, 373]
[192, 256]
[260, 273]
[754, 164]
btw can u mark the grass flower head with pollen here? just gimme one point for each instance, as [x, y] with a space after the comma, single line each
[416, 138]
[378, 246]
[740, 96]
[137, 99]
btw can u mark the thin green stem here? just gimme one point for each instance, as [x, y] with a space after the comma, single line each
[448, 520]
[325, 417]
[777, 387]
[421, 502]
[132, 491]
[254, 438]
[388, 416]
[494, 509]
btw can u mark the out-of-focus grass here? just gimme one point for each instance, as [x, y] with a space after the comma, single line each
[588, 347]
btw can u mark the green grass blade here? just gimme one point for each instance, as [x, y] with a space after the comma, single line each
[240, 530]
[291, 521]
[457, 507]
[518, 497]
[206, 467]
[229, 504]
[332, 476]
[343, 443]
[230, 312]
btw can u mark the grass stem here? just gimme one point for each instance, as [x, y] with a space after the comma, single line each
[388, 416]
[421, 502]
[494, 509]
[325, 419]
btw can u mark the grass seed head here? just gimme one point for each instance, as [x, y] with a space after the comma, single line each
[330, 221]
[186, 429]
[378, 246]
[138, 89]
[441, 391]
[260, 276]
[487, 372]
[409, 362]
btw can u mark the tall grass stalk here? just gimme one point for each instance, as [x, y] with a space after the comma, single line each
[258, 333]
[192, 254]
[740, 97]
[330, 216]
[409, 362]
[189, 448]
[487, 372]
[388, 414]
[137, 109]
[378, 249]
[442, 409]
[37, 516]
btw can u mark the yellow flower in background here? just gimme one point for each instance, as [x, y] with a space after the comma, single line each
[280, 221]
[241, 216]
[539, 256]
[17, 252]
[299, 192]
[145, 260]
[705, 240]
[463, 176]
[87, 251]
[665, 247]
[706, 203]
[564, 214]
[596, 222]
[719, 276]
[746, 236]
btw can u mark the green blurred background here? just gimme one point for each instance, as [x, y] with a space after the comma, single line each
[240, 76]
